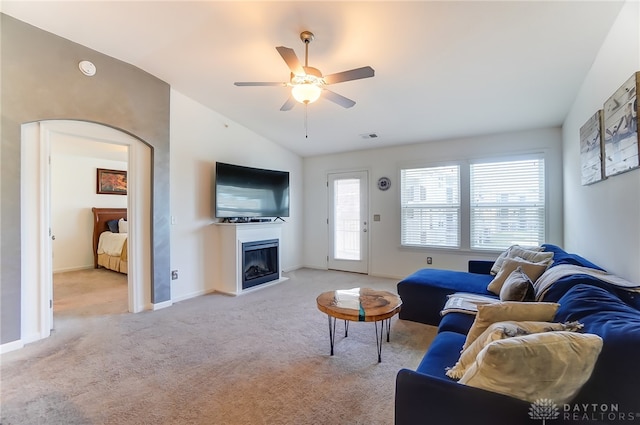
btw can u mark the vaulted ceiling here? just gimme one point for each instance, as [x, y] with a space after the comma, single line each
[443, 69]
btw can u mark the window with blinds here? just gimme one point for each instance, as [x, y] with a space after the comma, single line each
[430, 204]
[507, 203]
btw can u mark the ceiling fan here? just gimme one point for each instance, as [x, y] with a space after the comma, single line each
[308, 83]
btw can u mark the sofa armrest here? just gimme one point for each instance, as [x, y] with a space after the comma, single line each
[425, 399]
[480, 266]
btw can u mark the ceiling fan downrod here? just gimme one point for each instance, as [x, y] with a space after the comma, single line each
[306, 37]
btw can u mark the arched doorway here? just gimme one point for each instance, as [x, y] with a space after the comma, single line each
[37, 137]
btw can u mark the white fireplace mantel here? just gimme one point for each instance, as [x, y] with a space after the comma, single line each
[230, 237]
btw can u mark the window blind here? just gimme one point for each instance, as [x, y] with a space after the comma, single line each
[430, 206]
[507, 203]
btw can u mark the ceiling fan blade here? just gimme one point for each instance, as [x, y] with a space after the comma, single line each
[291, 59]
[290, 103]
[244, 83]
[337, 98]
[353, 74]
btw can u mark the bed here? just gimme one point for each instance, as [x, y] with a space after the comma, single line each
[109, 248]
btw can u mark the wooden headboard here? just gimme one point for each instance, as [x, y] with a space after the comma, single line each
[100, 218]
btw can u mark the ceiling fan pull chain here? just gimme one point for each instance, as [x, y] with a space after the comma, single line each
[306, 126]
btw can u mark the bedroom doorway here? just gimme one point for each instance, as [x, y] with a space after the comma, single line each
[79, 290]
[36, 226]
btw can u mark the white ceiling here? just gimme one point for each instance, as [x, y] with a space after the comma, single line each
[443, 69]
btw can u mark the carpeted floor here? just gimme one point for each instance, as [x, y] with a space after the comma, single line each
[259, 358]
[90, 292]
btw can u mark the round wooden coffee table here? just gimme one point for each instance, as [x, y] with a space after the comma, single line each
[359, 305]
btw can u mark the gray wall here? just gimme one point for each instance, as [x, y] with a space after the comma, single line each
[41, 81]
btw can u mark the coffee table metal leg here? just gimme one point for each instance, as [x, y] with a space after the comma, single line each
[379, 340]
[388, 328]
[346, 328]
[332, 332]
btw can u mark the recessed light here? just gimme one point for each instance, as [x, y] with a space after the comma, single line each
[87, 68]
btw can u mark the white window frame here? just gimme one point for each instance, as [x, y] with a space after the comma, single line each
[465, 225]
[520, 196]
[435, 213]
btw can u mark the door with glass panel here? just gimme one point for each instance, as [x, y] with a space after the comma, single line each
[348, 221]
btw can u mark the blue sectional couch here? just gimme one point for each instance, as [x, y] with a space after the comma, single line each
[611, 395]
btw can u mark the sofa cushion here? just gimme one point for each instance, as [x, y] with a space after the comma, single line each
[605, 314]
[560, 256]
[425, 292]
[494, 332]
[527, 367]
[456, 322]
[517, 287]
[442, 353]
[509, 310]
[533, 270]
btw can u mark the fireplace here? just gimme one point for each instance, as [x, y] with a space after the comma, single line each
[259, 262]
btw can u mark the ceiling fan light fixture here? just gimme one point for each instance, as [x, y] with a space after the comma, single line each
[306, 92]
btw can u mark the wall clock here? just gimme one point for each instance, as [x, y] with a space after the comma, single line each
[384, 183]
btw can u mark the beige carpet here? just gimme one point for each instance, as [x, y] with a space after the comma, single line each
[259, 358]
[91, 292]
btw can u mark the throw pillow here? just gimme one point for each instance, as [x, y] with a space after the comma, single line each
[497, 265]
[113, 226]
[517, 287]
[533, 270]
[501, 330]
[123, 226]
[509, 310]
[533, 255]
[551, 365]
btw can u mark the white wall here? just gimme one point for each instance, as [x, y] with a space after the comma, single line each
[602, 221]
[199, 138]
[73, 194]
[386, 257]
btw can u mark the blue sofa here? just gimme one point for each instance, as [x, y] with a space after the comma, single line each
[611, 395]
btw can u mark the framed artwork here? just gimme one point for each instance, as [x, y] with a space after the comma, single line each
[591, 150]
[621, 128]
[111, 182]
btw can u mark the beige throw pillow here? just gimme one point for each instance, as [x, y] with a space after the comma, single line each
[517, 287]
[509, 310]
[551, 365]
[501, 330]
[533, 270]
[533, 255]
[511, 252]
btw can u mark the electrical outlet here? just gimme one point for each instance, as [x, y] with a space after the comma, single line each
[174, 274]
[429, 260]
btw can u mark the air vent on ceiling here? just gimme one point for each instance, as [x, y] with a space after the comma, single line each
[369, 135]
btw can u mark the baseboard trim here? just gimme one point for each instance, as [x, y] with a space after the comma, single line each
[73, 269]
[192, 295]
[159, 306]
[11, 346]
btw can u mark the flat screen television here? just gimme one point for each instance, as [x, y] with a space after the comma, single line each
[246, 192]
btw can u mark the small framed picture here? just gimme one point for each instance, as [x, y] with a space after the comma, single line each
[621, 128]
[591, 150]
[111, 182]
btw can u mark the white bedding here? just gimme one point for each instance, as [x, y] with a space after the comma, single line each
[111, 243]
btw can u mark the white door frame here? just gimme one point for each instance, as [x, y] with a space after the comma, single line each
[36, 264]
[362, 265]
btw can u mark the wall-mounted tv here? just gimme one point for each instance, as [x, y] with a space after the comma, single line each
[246, 192]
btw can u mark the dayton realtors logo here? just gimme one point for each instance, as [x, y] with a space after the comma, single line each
[545, 409]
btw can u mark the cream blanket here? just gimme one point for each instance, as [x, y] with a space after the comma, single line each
[553, 274]
[111, 243]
